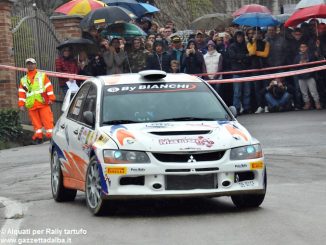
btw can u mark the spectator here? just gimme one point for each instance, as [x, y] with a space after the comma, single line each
[177, 51]
[175, 66]
[145, 23]
[137, 56]
[307, 81]
[148, 48]
[258, 52]
[170, 24]
[159, 59]
[65, 63]
[239, 61]
[193, 60]
[200, 42]
[213, 62]
[278, 51]
[278, 96]
[83, 65]
[115, 57]
[154, 28]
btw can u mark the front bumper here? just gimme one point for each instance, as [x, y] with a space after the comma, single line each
[160, 179]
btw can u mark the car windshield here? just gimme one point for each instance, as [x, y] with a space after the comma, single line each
[159, 102]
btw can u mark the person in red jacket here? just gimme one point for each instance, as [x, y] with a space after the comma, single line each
[66, 64]
[36, 94]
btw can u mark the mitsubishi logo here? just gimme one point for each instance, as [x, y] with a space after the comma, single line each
[191, 159]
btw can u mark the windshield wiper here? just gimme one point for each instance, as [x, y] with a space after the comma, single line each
[177, 119]
[114, 122]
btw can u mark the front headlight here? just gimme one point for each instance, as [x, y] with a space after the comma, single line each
[246, 152]
[125, 157]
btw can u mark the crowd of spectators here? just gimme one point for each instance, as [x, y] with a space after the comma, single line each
[232, 49]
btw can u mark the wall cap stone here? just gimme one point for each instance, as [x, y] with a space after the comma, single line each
[65, 17]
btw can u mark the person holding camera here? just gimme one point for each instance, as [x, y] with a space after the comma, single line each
[278, 96]
[114, 56]
[193, 61]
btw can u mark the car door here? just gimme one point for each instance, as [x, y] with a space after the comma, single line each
[81, 132]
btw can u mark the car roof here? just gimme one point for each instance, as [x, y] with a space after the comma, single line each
[135, 78]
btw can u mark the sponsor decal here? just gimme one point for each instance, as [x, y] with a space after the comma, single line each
[152, 88]
[114, 170]
[241, 165]
[122, 134]
[159, 125]
[198, 141]
[235, 132]
[137, 169]
[256, 165]
[102, 140]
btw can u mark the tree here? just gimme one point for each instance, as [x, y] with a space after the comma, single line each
[46, 6]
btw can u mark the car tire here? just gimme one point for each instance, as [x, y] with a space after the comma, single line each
[93, 189]
[250, 200]
[59, 192]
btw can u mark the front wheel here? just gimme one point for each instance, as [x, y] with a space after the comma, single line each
[93, 188]
[250, 200]
[59, 192]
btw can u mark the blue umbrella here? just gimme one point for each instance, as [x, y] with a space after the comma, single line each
[139, 9]
[256, 19]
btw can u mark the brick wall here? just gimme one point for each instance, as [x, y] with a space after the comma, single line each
[8, 88]
[67, 26]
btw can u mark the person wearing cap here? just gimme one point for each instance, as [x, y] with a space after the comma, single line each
[201, 42]
[36, 94]
[177, 51]
[159, 59]
[213, 62]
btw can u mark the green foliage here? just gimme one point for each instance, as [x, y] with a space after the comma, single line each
[10, 126]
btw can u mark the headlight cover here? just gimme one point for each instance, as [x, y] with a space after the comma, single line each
[246, 152]
[125, 157]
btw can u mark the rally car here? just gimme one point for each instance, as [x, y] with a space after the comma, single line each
[152, 134]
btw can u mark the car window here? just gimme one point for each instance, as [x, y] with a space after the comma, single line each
[90, 103]
[76, 105]
[152, 102]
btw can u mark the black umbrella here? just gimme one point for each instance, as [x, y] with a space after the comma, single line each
[79, 44]
[107, 15]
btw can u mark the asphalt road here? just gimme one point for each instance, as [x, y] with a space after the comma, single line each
[293, 211]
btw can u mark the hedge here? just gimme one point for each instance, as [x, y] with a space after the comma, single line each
[10, 125]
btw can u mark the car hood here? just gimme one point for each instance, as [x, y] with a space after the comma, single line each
[179, 136]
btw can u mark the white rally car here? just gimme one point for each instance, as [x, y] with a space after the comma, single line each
[153, 134]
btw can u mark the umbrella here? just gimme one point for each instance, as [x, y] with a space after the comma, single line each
[251, 8]
[79, 7]
[256, 19]
[308, 3]
[139, 9]
[211, 21]
[125, 30]
[301, 15]
[79, 44]
[108, 15]
[282, 18]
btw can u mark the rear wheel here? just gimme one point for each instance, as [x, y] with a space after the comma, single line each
[250, 200]
[59, 192]
[93, 188]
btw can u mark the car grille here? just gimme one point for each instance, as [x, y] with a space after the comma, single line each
[190, 182]
[189, 157]
[165, 133]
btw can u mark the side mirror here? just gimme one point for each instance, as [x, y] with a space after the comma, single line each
[89, 118]
[233, 110]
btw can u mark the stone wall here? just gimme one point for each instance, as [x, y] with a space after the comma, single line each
[67, 26]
